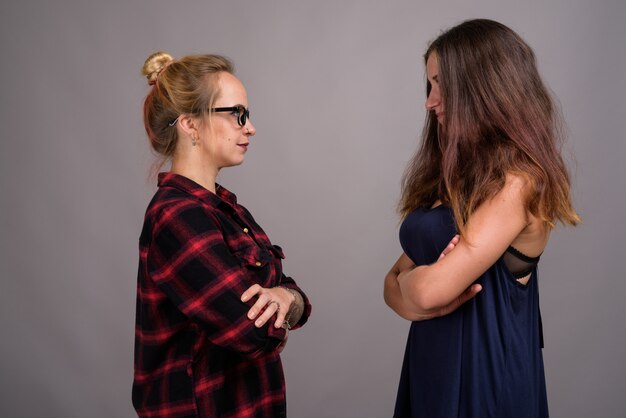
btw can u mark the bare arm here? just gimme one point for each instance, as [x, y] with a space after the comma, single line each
[490, 230]
[393, 295]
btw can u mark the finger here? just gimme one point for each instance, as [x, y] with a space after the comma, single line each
[284, 298]
[446, 250]
[470, 293]
[270, 309]
[251, 291]
[451, 245]
[280, 316]
[475, 288]
[258, 306]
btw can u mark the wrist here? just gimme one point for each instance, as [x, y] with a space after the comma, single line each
[292, 307]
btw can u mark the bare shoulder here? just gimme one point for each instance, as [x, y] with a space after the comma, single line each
[534, 237]
[515, 186]
[508, 202]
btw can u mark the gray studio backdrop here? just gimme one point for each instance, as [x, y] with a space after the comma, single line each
[336, 91]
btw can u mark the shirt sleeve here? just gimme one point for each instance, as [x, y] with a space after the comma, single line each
[190, 262]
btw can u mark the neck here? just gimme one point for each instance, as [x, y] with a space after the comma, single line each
[192, 167]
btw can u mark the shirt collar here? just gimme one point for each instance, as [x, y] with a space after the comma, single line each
[222, 197]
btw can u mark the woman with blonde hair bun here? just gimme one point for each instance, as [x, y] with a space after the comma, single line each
[479, 201]
[214, 307]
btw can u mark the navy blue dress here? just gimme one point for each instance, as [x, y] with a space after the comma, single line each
[483, 360]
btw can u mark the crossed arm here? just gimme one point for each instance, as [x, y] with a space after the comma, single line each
[424, 292]
[393, 294]
[192, 266]
[286, 303]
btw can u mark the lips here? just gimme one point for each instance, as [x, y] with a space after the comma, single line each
[244, 146]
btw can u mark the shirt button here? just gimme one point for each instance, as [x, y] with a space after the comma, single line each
[245, 230]
[258, 264]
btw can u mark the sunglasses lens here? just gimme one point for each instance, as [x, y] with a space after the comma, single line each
[243, 115]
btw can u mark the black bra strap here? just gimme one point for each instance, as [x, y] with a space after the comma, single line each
[517, 253]
[518, 263]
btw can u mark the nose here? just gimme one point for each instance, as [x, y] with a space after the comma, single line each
[433, 100]
[249, 128]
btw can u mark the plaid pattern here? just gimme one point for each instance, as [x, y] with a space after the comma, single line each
[196, 352]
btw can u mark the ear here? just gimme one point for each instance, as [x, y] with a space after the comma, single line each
[189, 125]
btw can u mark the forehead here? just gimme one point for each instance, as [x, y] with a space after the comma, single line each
[432, 65]
[232, 91]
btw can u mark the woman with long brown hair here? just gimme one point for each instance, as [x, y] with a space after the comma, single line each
[479, 200]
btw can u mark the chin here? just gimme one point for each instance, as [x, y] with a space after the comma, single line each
[234, 163]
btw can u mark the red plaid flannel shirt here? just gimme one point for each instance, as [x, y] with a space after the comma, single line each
[196, 352]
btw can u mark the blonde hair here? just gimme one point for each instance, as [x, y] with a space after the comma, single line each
[184, 86]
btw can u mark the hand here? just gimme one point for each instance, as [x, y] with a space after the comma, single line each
[453, 242]
[463, 297]
[270, 301]
[451, 245]
[468, 294]
[454, 305]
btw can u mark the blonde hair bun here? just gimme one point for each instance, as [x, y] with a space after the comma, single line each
[154, 64]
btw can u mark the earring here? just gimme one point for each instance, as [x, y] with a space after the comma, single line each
[194, 141]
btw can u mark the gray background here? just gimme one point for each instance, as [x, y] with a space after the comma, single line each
[337, 92]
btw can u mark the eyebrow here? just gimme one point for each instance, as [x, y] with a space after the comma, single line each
[235, 105]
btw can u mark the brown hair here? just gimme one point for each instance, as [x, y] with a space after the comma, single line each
[499, 119]
[184, 86]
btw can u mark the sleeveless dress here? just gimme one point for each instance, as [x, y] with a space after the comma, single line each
[483, 360]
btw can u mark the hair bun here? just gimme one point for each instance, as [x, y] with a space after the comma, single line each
[154, 64]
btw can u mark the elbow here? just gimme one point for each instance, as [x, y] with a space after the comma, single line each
[254, 342]
[264, 346]
[424, 299]
[387, 297]
[387, 283]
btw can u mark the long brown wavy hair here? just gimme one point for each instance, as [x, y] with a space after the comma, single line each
[499, 120]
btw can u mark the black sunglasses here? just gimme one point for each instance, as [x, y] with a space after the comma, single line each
[241, 112]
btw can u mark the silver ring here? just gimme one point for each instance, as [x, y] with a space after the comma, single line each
[277, 304]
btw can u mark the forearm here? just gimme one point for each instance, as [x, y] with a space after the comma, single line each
[420, 293]
[428, 290]
[394, 299]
